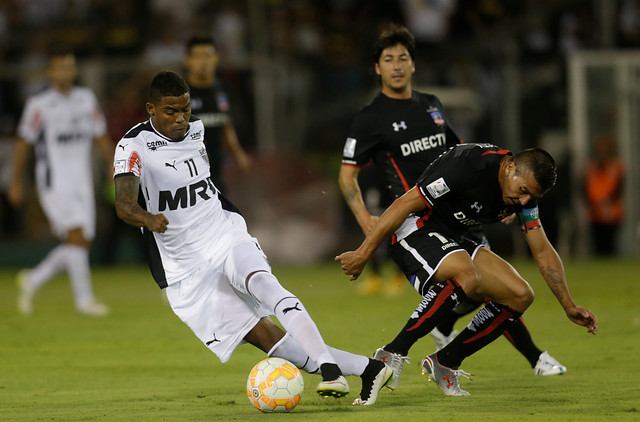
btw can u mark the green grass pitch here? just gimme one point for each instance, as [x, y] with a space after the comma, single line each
[142, 364]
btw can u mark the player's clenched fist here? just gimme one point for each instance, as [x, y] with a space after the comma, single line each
[352, 264]
[157, 223]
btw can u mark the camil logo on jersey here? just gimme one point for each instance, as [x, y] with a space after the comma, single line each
[186, 196]
[196, 135]
[397, 126]
[154, 145]
[436, 116]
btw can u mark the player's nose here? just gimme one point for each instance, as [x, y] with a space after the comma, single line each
[525, 199]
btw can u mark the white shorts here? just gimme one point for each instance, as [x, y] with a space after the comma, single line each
[214, 302]
[69, 210]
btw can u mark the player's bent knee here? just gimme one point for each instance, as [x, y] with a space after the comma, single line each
[523, 297]
[468, 278]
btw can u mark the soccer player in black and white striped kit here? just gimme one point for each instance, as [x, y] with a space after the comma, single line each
[217, 278]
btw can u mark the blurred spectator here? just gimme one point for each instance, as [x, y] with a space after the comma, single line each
[603, 181]
[166, 48]
[629, 23]
[231, 31]
[120, 32]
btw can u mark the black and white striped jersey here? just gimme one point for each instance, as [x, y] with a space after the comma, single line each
[175, 181]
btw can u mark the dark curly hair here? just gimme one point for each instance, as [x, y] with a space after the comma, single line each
[167, 83]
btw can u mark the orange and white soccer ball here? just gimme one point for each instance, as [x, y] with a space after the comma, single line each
[275, 385]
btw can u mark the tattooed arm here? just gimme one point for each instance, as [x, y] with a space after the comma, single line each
[128, 209]
[552, 269]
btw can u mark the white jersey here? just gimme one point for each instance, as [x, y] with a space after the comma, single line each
[62, 128]
[175, 181]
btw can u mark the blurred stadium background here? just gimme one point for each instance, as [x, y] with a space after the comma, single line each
[516, 73]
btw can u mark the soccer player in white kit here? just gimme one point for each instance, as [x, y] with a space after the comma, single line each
[62, 123]
[217, 278]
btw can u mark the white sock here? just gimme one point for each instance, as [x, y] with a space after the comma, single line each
[48, 268]
[287, 348]
[292, 315]
[79, 271]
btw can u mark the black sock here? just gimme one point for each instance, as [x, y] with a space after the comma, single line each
[330, 371]
[486, 326]
[466, 307]
[519, 336]
[439, 299]
[373, 367]
[447, 323]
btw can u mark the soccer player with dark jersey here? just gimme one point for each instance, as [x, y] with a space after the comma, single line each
[217, 278]
[468, 185]
[210, 103]
[401, 131]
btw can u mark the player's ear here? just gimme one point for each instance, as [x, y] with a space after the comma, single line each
[377, 68]
[151, 109]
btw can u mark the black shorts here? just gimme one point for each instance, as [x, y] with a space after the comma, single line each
[420, 254]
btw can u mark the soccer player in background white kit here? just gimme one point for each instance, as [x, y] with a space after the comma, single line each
[61, 123]
[217, 278]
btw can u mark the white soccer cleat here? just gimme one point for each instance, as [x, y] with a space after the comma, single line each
[26, 292]
[445, 378]
[442, 340]
[335, 388]
[373, 383]
[395, 361]
[94, 309]
[547, 365]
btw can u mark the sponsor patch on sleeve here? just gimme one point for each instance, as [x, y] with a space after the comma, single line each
[349, 148]
[438, 188]
[529, 219]
[119, 166]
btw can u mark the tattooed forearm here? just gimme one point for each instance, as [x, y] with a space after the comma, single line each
[556, 281]
[127, 206]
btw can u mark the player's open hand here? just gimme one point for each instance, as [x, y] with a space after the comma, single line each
[352, 264]
[583, 316]
[157, 223]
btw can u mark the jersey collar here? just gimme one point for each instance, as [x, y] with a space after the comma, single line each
[166, 138]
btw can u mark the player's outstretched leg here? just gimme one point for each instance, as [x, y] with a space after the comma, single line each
[296, 321]
[436, 303]
[541, 362]
[374, 374]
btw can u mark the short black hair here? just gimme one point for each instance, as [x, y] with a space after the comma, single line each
[394, 35]
[167, 83]
[541, 163]
[200, 39]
